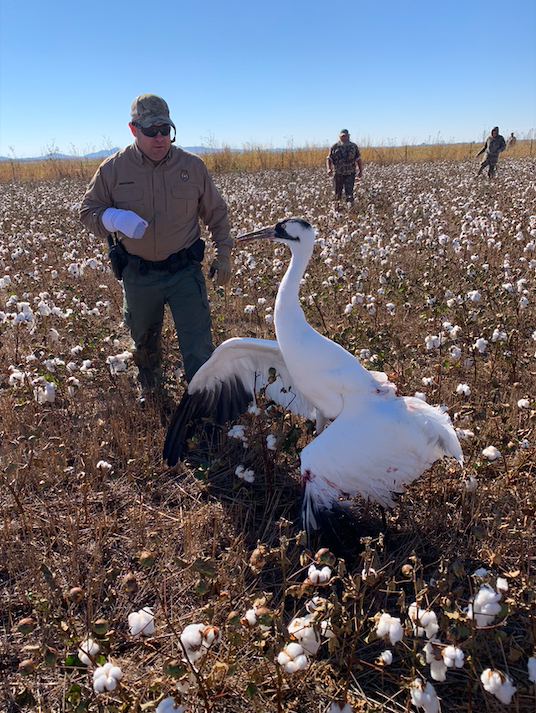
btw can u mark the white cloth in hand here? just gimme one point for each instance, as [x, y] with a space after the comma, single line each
[125, 221]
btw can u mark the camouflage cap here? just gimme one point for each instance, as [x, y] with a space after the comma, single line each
[149, 109]
[344, 132]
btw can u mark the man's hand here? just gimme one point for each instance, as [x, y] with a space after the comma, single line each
[222, 270]
[125, 221]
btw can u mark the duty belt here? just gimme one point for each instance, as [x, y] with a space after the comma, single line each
[173, 263]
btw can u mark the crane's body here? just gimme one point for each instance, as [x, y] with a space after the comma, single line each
[375, 443]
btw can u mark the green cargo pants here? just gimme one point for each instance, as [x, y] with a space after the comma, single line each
[144, 297]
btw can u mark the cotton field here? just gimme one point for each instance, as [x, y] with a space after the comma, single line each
[130, 586]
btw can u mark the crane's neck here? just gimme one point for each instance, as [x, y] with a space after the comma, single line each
[287, 305]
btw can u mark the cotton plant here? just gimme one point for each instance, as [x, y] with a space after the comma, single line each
[498, 684]
[491, 453]
[141, 623]
[197, 639]
[118, 362]
[46, 393]
[238, 431]
[87, 651]
[316, 575]
[245, 474]
[389, 626]
[106, 678]
[424, 696]
[423, 621]
[485, 606]
[292, 658]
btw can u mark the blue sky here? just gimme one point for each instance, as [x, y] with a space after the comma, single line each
[274, 74]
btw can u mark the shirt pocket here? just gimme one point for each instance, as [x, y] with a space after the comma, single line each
[183, 203]
[129, 198]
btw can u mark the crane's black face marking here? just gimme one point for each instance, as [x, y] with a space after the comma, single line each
[280, 229]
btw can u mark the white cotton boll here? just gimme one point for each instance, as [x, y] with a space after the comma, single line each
[485, 607]
[387, 657]
[427, 381]
[481, 344]
[501, 585]
[305, 634]
[389, 626]
[141, 623]
[254, 410]
[104, 466]
[474, 296]
[268, 318]
[523, 403]
[168, 706]
[88, 648]
[237, 432]
[45, 394]
[370, 572]
[424, 696]
[292, 658]
[531, 666]
[438, 666]
[491, 453]
[453, 657]
[432, 342]
[192, 635]
[76, 350]
[455, 353]
[105, 678]
[499, 684]
[463, 389]
[211, 636]
[319, 576]
[471, 484]
[251, 617]
[271, 442]
[54, 335]
[423, 621]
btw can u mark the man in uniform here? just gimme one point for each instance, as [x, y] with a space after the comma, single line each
[152, 195]
[344, 158]
[511, 141]
[495, 143]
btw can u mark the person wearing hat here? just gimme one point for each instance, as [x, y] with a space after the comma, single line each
[494, 145]
[344, 159]
[153, 195]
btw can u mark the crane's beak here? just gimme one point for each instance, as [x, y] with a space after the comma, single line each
[267, 233]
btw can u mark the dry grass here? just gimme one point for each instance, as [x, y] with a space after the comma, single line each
[260, 158]
[68, 524]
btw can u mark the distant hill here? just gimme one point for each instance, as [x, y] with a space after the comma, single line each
[102, 154]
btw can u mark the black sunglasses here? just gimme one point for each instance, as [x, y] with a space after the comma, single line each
[152, 131]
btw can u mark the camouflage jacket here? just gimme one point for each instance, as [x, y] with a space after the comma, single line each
[344, 157]
[493, 147]
[172, 197]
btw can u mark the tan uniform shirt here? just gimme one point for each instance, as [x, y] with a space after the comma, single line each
[171, 196]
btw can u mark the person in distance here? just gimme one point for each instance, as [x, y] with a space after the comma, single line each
[344, 159]
[494, 145]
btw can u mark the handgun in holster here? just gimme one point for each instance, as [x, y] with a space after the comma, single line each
[118, 255]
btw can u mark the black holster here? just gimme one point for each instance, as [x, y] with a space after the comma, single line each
[118, 256]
